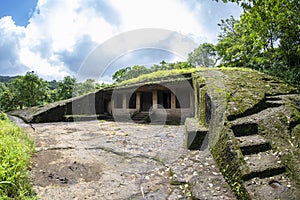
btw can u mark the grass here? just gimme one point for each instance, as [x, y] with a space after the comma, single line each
[156, 75]
[15, 151]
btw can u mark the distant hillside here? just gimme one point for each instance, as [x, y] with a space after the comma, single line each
[6, 79]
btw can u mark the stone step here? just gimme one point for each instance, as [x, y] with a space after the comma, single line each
[71, 118]
[195, 134]
[262, 165]
[274, 101]
[140, 117]
[253, 144]
[245, 129]
[270, 188]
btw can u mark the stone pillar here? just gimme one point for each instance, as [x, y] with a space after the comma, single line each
[138, 101]
[191, 100]
[124, 101]
[173, 101]
[112, 103]
[154, 99]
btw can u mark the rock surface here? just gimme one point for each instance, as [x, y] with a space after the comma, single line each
[110, 160]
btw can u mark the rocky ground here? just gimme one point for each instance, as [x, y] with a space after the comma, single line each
[112, 160]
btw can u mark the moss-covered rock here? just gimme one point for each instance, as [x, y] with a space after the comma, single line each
[245, 96]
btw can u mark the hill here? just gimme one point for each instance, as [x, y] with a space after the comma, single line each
[6, 79]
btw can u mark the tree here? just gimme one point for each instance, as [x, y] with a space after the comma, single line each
[5, 98]
[205, 56]
[2, 87]
[66, 88]
[119, 75]
[163, 65]
[231, 47]
[24, 91]
[7, 101]
[266, 38]
[129, 72]
[88, 86]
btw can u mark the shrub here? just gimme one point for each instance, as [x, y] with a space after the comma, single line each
[3, 116]
[15, 151]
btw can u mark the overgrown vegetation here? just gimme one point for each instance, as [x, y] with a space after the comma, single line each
[133, 72]
[229, 162]
[265, 38]
[30, 90]
[157, 75]
[15, 151]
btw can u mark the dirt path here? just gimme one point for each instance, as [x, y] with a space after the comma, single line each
[111, 160]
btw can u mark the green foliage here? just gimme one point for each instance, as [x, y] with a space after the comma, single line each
[3, 88]
[171, 66]
[205, 56]
[266, 38]
[137, 70]
[6, 79]
[69, 87]
[129, 72]
[228, 162]
[15, 150]
[3, 116]
[66, 88]
[157, 75]
[118, 75]
[53, 85]
[28, 90]
[85, 87]
[24, 91]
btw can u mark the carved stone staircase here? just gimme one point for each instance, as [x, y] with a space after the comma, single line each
[140, 117]
[257, 152]
[264, 173]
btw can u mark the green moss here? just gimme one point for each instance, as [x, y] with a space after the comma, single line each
[202, 106]
[158, 75]
[283, 129]
[229, 161]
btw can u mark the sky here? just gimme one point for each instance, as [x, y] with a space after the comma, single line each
[56, 38]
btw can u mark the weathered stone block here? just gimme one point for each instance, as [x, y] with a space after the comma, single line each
[195, 134]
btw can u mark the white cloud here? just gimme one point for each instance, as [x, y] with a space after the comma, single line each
[60, 34]
[167, 14]
[10, 37]
[57, 27]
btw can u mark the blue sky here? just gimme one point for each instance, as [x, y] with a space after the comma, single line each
[55, 37]
[21, 11]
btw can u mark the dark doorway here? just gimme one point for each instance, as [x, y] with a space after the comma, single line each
[132, 101]
[146, 101]
[164, 99]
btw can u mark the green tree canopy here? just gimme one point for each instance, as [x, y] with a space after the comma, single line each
[266, 38]
[87, 86]
[25, 91]
[137, 70]
[129, 72]
[205, 56]
[66, 87]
